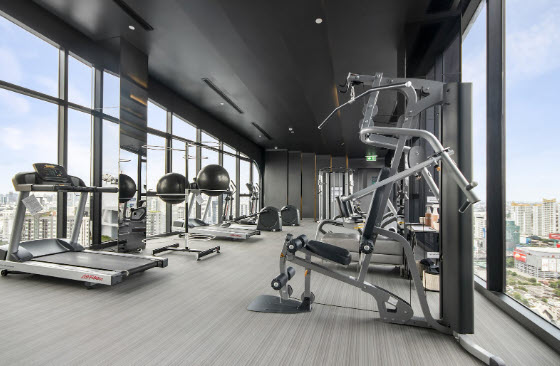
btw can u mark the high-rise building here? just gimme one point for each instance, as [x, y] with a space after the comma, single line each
[155, 218]
[538, 219]
[548, 218]
[479, 225]
[523, 217]
[84, 237]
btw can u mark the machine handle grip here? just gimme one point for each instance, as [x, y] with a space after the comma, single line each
[464, 206]
[296, 244]
[107, 189]
[282, 279]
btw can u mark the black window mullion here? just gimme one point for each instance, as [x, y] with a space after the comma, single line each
[97, 156]
[496, 146]
[168, 166]
[62, 199]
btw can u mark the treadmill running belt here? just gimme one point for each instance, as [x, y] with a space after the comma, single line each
[99, 261]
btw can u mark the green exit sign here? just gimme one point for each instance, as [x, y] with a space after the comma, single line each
[371, 157]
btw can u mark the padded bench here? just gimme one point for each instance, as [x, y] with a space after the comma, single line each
[386, 251]
[331, 252]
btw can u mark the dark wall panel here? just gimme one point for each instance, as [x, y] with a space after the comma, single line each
[294, 179]
[308, 185]
[323, 161]
[276, 178]
[339, 162]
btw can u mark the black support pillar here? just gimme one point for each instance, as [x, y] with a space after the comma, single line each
[456, 236]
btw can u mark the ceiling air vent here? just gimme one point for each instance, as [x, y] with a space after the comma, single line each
[222, 94]
[263, 132]
[134, 15]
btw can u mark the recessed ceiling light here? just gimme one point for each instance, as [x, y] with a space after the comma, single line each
[131, 27]
[222, 103]
[289, 128]
[276, 147]
[318, 20]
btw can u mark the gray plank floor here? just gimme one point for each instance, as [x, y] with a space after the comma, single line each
[194, 313]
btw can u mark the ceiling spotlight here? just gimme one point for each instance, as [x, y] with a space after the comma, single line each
[290, 129]
[222, 103]
[131, 27]
[318, 20]
[276, 147]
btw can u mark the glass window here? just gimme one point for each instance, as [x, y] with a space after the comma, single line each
[27, 60]
[79, 165]
[209, 140]
[28, 134]
[256, 182]
[244, 176]
[209, 156]
[79, 145]
[192, 154]
[229, 162]
[178, 166]
[80, 85]
[157, 117]
[532, 190]
[183, 129]
[155, 223]
[474, 71]
[110, 174]
[245, 206]
[178, 156]
[111, 94]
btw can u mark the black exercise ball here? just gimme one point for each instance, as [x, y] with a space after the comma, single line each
[213, 180]
[127, 188]
[171, 188]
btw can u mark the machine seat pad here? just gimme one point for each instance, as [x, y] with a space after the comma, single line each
[330, 252]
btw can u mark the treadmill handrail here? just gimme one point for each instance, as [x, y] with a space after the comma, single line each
[63, 188]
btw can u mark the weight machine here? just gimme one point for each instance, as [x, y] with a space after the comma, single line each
[456, 279]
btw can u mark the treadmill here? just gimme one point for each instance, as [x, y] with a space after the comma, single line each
[64, 258]
[201, 228]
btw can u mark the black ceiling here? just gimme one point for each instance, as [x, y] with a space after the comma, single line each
[269, 57]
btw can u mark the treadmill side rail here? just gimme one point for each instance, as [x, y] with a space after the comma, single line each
[94, 276]
[161, 262]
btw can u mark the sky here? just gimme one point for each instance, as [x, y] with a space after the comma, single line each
[28, 126]
[532, 128]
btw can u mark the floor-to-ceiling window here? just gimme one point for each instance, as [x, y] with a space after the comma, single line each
[28, 125]
[229, 162]
[156, 215]
[111, 94]
[110, 157]
[109, 178]
[474, 71]
[245, 187]
[209, 208]
[183, 158]
[79, 165]
[27, 60]
[256, 185]
[31, 97]
[532, 155]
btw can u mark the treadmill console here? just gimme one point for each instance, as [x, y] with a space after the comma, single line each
[52, 173]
